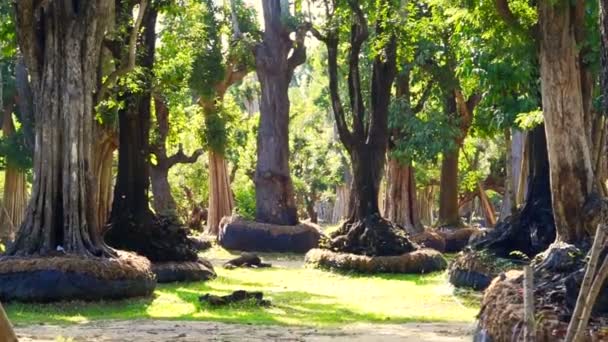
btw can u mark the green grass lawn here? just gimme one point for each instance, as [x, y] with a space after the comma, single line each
[299, 297]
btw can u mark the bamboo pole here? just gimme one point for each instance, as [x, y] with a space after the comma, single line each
[530, 325]
[6, 329]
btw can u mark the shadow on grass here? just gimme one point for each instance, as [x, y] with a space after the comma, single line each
[299, 297]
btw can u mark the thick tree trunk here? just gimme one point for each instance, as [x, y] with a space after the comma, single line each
[401, 202]
[61, 44]
[221, 201]
[426, 197]
[163, 201]
[133, 225]
[130, 206]
[275, 199]
[562, 96]
[532, 230]
[14, 201]
[103, 160]
[448, 191]
[340, 211]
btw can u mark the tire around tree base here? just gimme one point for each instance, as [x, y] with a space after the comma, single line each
[64, 278]
[239, 234]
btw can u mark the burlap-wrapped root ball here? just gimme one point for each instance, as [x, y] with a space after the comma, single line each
[419, 261]
[29, 279]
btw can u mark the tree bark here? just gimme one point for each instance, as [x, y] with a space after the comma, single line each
[275, 199]
[426, 197]
[15, 190]
[221, 201]
[61, 43]
[340, 211]
[448, 191]
[103, 159]
[571, 168]
[401, 201]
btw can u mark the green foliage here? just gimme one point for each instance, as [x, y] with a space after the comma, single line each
[244, 197]
[14, 152]
[529, 120]
[422, 137]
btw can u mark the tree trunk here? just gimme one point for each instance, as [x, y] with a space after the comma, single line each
[532, 230]
[518, 141]
[134, 226]
[163, 201]
[103, 160]
[509, 202]
[448, 190]
[426, 196]
[61, 44]
[340, 211]
[401, 201]
[275, 199]
[486, 206]
[569, 154]
[130, 206]
[15, 190]
[221, 201]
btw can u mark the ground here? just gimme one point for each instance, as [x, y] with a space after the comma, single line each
[308, 304]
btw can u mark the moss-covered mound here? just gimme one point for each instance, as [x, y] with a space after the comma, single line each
[476, 269]
[430, 239]
[239, 234]
[67, 277]
[420, 261]
[170, 272]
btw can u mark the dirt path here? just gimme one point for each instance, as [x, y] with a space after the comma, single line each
[163, 331]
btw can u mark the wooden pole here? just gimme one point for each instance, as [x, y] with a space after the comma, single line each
[6, 329]
[530, 325]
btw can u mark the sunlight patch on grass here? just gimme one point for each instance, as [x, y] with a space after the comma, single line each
[299, 296]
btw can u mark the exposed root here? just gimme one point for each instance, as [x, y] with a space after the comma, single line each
[373, 236]
[161, 240]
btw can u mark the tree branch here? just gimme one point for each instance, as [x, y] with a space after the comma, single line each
[181, 158]
[359, 34]
[426, 94]
[298, 55]
[129, 64]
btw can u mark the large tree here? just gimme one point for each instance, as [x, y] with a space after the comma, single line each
[276, 58]
[365, 231]
[572, 126]
[133, 225]
[61, 43]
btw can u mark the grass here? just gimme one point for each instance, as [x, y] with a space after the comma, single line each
[300, 296]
